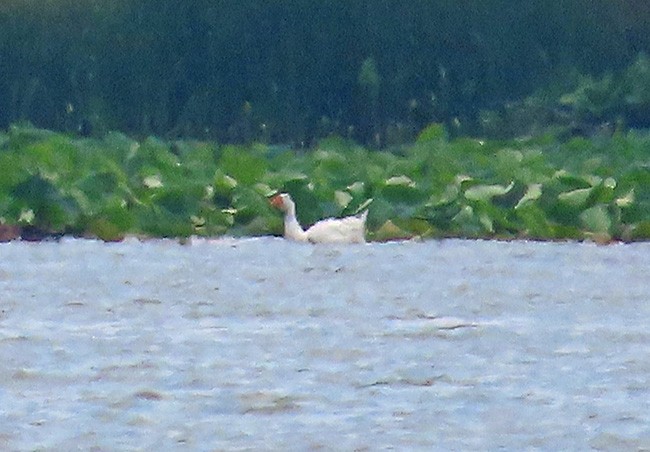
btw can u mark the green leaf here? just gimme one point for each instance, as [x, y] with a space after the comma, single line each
[242, 165]
[572, 181]
[626, 200]
[486, 192]
[342, 198]
[12, 170]
[641, 231]
[597, 219]
[402, 180]
[112, 222]
[535, 222]
[433, 132]
[181, 201]
[54, 211]
[575, 198]
[533, 193]
[403, 192]
[223, 183]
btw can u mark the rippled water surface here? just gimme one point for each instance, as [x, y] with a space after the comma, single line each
[263, 344]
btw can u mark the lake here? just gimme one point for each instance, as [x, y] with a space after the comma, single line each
[264, 344]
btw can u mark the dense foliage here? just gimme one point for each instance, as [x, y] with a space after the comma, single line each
[538, 188]
[230, 101]
[294, 71]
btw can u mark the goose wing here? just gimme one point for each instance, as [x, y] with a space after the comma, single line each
[343, 230]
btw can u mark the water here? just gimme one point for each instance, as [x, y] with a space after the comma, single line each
[263, 344]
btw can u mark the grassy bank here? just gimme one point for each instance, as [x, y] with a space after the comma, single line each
[539, 188]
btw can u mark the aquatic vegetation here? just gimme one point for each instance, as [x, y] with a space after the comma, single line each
[539, 188]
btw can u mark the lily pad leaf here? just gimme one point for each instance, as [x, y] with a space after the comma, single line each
[627, 200]
[357, 188]
[466, 214]
[364, 205]
[223, 182]
[342, 198]
[243, 165]
[575, 198]
[486, 192]
[390, 231]
[400, 180]
[610, 183]
[433, 132]
[264, 189]
[450, 195]
[641, 231]
[596, 219]
[570, 180]
[486, 222]
[533, 192]
[153, 181]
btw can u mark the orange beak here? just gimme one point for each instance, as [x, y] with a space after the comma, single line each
[276, 202]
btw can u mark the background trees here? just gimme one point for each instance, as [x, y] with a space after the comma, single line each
[293, 70]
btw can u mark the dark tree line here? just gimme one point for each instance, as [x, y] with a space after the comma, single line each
[292, 70]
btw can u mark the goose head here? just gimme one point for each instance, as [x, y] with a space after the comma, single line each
[284, 202]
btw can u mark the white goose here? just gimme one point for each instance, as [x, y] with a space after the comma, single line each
[330, 230]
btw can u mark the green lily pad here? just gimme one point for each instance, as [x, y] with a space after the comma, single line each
[533, 193]
[389, 231]
[597, 219]
[641, 231]
[627, 200]
[534, 222]
[224, 183]
[402, 180]
[433, 132]
[575, 198]
[486, 192]
[242, 165]
[54, 210]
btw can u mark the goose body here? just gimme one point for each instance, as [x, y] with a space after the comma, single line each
[331, 230]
